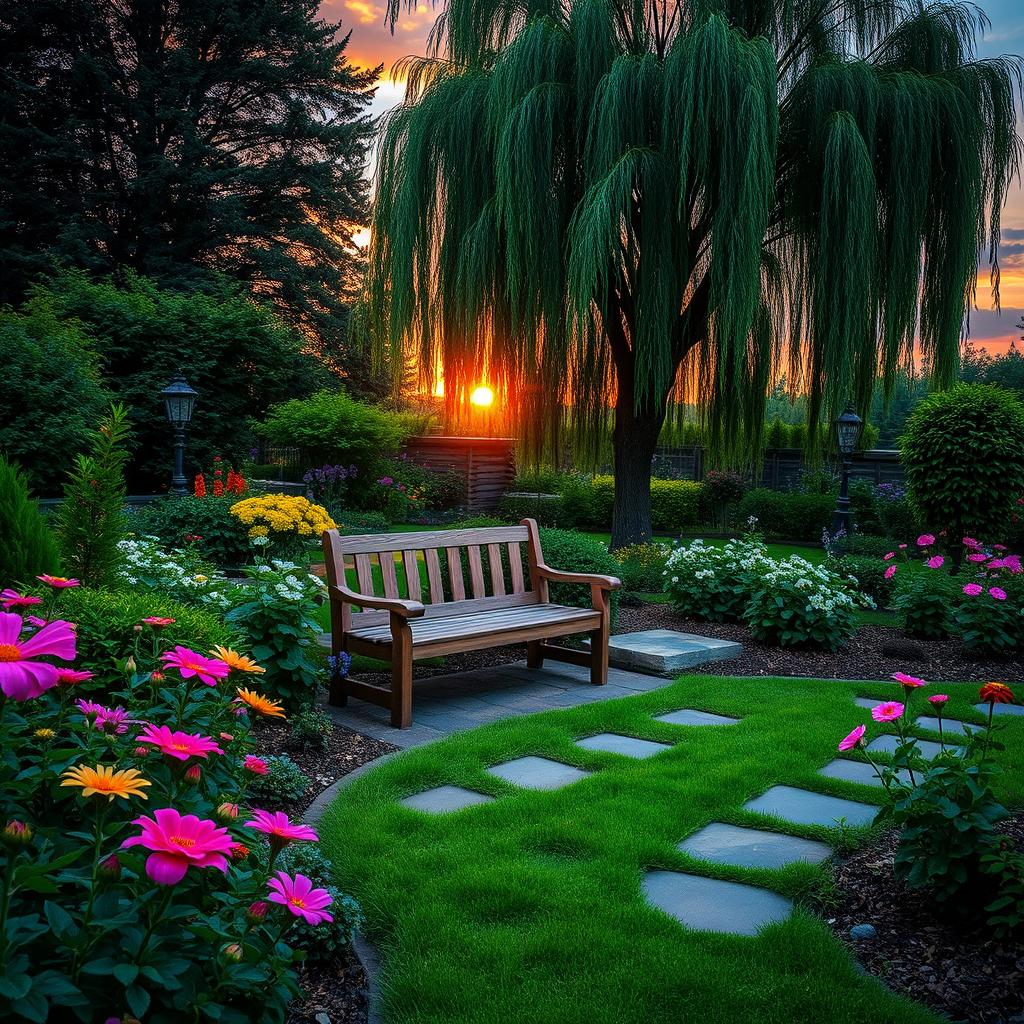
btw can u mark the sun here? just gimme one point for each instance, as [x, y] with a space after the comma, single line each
[482, 396]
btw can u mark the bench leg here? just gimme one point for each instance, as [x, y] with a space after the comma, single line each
[535, 654]
[401, 678]
[599, 646]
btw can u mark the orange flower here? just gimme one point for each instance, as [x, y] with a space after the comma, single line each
[104, 781]
[236, 661]
[996, 693]
[264, 705]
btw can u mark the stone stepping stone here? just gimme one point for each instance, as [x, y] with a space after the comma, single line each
[867, 702]
[444, 799]
[628, 746]
[709, 904]
[949, 725]
[751, 847]
[857, 771]
[1001, 709]
[689, 716]
[665, 652]
[887, 745]
[537, 773]
[802, 807]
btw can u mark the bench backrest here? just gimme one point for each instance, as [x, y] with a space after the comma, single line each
[464, 570]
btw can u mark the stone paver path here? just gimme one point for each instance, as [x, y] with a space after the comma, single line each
[689, 716]
[1001, 709]
[867, 702]
[667, 652]
[857, 771]
[949, 725]
[751, 847]
[629, 746]
[537, 773]
[443, 799]
[803, 807]
[927, 748]
[712, 905]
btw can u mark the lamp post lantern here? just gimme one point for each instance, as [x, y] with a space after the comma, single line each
[848, 427]
[179, 400]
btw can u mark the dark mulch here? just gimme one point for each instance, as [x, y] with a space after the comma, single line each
[959, 970]
[338, 990]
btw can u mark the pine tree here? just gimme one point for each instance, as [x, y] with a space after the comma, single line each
[29, 546]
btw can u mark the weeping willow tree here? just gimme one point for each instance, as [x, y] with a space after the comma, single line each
[621, 205]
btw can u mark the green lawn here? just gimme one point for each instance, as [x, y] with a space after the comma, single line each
[530, 910]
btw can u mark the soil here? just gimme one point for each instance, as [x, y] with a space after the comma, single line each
[958, 969]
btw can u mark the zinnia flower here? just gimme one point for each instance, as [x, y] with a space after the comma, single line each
[279, 829]
[925, 540]
[12, 599]
[180, 745]
[190, 664]
[889, 557]
[157, 621]
[104, 781]
[264, 705]
[972, 590]
[938, 699]
[1012, 562]
[851, 741]
[22, 677]
[996, 693]
[236, 661]
[890, 572]
[887, 712]
[998, 593]
[935, 562]
[299, 896]
[256, 765]
[70, 676]
[977, 557]
[908, 681]
[59, 582]
[970, 542]
[179, 842]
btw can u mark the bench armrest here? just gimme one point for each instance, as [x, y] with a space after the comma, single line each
[395, 605]
[590, 578]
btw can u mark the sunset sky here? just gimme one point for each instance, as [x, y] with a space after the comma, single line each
[372, 43]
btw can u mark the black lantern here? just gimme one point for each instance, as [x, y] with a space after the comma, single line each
[179, 400]
[848, 427]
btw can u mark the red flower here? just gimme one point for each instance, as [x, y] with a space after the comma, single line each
[200, 486]
[996, 693]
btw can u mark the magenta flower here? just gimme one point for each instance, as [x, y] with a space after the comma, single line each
[972, 590]
[1012, 562]
[21, 676]
[189, 664]
[998, 593]
[71, 676]
[279, 829]
[58, 582]
[113, 720]
[935, 562]
[179, 745]
[911, 682]
[996, 563]
[179, 842]
[299, 896]
[256, 765]
[925, 540]
[890, 572]
[12, 599]
[903, 547]
[889, 557]
[887, 712]
[938, 699]
[977, 557]
[89, 708]
[998, 547]
[853, 740]
[970, 542]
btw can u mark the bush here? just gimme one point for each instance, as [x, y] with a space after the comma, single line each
[46, 361]
[963, 455]
[575, 552]
[180, 574]
[870, 576]
[29, 546]
[897, 517]
[287, 522]
[988, 625]
[925, 602]
[402, 489]
[203, 524]
[714, 583]
[284, 783]
[790, 515]
[642, 566]
[352, 521]
[867, 544]
[721, 490]
[864, 506]
[311, 727]
[548, 509]
[675, 505]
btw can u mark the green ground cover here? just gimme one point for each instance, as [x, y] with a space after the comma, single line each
[530, 908]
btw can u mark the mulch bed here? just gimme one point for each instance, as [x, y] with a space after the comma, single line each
[957, 969]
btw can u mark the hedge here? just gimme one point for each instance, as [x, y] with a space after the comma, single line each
[790, 515]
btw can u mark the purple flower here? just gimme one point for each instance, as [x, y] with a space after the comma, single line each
[998, 593]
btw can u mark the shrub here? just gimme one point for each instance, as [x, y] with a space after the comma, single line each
[642, 566]
[29, 546]
[45, 361]
[721, 490]
[792, 515]
[180, 574]
[359, 521]
[924, 604]
[575, 552]
[547, 509]
[675, 505]
[897, 517]
[864, 506]
[870, 576]
[479, 523]
[203, 524]
[90, 521]
[868, 544]
[714, 583]
[311, 727]
[290, 523]
[283, 784]
[963, 455]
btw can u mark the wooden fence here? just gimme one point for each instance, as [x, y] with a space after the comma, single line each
[487, 464]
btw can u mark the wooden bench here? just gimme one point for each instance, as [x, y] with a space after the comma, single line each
[508, 606]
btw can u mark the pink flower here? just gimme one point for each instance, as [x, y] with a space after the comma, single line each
[998, 593]
[70, 676]
[851, 741]
[889, 557]
[21, 677]
[887, 712]
[157, 621]
[972, 590]
[299, 896]
[89, 708]
[179, 842]
[938, 699]
[1012, 562]
[281, 831]
[903, 547]
[12, 599]
[970, 542]
[908, 681]
[180, 745]
[977, 557]
[925, 540]
[58, 582]
[113, 720]
[189, 664]
[996, 563]
[35, 621]
[998, 547]
[935, 562]
[890, 572]
[256, 765]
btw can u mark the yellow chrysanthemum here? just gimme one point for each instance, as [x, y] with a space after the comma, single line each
[264, 705]
[104, 781]
[236, 661]
[44, 734]
[257, 531]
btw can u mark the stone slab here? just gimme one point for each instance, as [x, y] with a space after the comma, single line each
[668, 652]
[887, 745]
[802, 807]
[628, 746]
[537, 773]
[1001, 709]
[949, 725]
[867, 702]
[690, 716]
[709, 904]
[444, 799]
[751, 847]
[857, 771]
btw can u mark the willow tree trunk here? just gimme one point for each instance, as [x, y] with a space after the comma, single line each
[634, 440]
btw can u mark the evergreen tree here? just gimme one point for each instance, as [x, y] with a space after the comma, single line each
[622, 201]
[29, 546]
[180, 137]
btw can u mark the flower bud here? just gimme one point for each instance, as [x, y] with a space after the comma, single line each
[16, 835]
[136, 629]
[233, 952]
[227, 813]
[257, 912]
[157, 677]
[44, 734]
[193, 774]
[110, 868]
[141, 751]
[238, 851]
[227, 737]
[129, 665]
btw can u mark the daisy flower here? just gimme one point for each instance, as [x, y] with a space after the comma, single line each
[300, 897]
[237, 662]
[103, 780]
[190, 664]
[264, 705]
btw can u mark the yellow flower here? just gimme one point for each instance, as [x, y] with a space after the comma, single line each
[236, 661]
[264, 705]
[104, 781]
[44, 734]
[258, 531]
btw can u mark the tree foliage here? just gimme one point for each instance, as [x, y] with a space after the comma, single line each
[29, 546]
[594, 201]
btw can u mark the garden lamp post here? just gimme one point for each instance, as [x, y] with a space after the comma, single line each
[848, 427]
[179, 400]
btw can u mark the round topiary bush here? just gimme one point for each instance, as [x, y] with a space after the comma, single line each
[963, 456]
